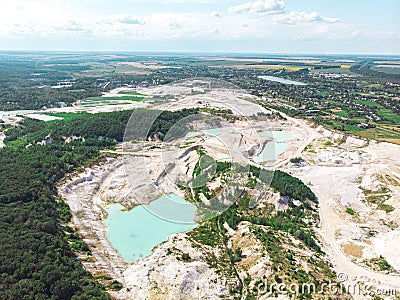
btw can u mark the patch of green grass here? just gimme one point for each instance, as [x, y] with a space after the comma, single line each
[322, 93]
[125, 98]
[352, 128]
[370, 133]
[309, 149]
[382, 264]
[328, 144]
[134, 93]
[100, 103]
[350, 211]
[379, 134]
[65, 116]
[342, 113]
[367, 102]
[386, 70]
[389, 115]
[385, 207]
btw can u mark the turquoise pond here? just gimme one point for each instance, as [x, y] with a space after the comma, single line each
[212, 132]
[207, 132]
[134, 233]
[272, 150]
[281, 80]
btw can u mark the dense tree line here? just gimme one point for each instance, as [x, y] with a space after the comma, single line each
[291, 186]
[36, 261]
[285, 184]
[101, 126]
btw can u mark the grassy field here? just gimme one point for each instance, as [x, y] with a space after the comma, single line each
[123, 98]
[395, 71]
[376, 134]
[133, 93]
[65, 116]
[371, 133]
[101, 103]
[368, 103]
[389, 115]
[337, 70]
[113, 100]
[341, 113]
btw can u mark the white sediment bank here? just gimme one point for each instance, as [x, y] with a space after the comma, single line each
[2, 137]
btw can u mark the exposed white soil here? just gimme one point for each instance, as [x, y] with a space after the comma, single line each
[11, 119]
[165, 276]
[82, 192]
[348, 175]
[2, 137]
[43, 117]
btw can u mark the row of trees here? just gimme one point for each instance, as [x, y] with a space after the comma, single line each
[103, 126]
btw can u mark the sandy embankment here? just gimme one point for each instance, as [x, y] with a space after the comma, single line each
[82, 192]
[2, 137]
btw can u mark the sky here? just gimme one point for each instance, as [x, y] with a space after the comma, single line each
[265, 26]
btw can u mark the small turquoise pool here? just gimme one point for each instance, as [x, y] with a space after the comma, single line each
[207, 132]
[273, 149]
[134, 233]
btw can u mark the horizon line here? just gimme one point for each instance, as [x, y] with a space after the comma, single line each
[195, 52]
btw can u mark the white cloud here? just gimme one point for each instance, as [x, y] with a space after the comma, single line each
[245, 27]
[71, 26]
[214, 30]
[260, 7]
[216, 14]
[295, 17]
[131, 20]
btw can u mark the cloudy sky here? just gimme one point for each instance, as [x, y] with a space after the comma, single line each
[266, 26]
